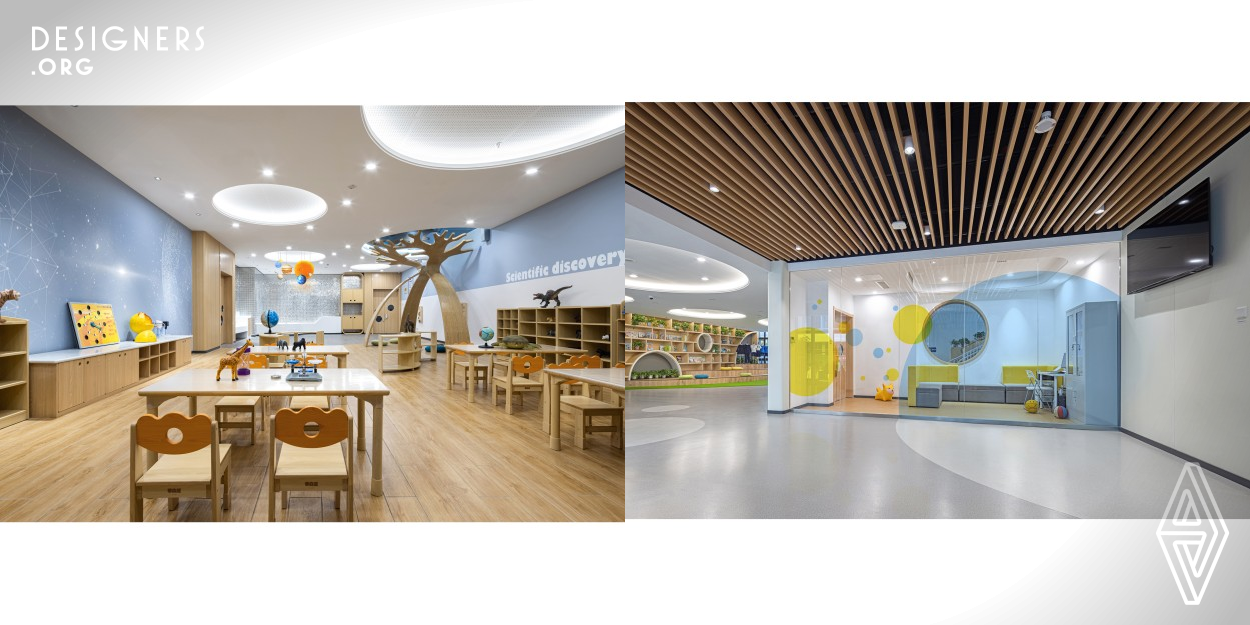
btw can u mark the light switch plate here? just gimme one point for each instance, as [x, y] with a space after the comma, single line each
[1241, 314]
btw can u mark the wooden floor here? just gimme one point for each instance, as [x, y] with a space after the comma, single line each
[444, 459]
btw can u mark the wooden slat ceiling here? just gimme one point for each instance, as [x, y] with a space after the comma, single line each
[830, 177]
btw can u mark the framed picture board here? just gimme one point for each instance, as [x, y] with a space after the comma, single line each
[93, 324]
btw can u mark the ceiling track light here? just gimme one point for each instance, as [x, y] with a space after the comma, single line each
[927, 231]
[898, 225]
[1045, 124]
[909, 147]
[713, 188]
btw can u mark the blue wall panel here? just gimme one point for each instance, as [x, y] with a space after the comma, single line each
[70, 231]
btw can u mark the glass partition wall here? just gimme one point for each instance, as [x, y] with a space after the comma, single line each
[1023, 336]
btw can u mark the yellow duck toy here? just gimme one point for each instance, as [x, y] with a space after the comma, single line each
[885, 392]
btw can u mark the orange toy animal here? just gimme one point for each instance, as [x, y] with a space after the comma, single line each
[232, 360]
[885, 392]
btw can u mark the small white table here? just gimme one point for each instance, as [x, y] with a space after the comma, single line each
[359, 383]
[613, 378]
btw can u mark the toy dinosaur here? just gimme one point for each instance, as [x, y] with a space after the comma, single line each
[551, 296]
[232, 360]
[6, 296]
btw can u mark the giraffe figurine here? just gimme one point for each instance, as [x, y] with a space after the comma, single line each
[232, 360]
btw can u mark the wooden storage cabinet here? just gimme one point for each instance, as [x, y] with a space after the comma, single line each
[582, 327]
[67, 380]
[14, 372]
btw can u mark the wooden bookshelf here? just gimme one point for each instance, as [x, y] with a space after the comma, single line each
[591, 328]
[696, 346]
[14, 372]
[406, 352]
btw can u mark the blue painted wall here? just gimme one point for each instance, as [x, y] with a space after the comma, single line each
[585, 222]
[70, 231]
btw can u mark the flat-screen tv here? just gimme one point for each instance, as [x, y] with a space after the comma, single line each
[1174, 243]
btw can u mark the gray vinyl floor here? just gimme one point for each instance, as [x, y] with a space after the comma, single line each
[716, 453]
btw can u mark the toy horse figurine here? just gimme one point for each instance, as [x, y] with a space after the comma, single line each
[281, 345]
[232, 360]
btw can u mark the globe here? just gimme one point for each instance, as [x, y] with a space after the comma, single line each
[270, 319]
[487, 334]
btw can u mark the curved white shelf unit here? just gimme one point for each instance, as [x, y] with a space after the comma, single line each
[654, 360]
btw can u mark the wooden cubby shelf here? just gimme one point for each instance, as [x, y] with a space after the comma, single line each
[580, 327]
[14, 372]
[64, 380]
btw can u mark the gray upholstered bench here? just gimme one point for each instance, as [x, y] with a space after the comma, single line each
[983, 393]
[929, 395]
[1019, 393]
[950, 391]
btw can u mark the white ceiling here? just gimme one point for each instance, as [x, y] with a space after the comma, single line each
[642, 225]
[990, 275]
[321, 149]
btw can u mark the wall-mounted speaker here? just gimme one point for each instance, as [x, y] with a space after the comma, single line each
[486, 235]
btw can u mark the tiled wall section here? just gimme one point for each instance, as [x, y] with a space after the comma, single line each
[256, 292]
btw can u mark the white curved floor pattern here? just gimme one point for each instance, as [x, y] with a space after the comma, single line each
[655, 429]
[1087, 474]
[666, 408]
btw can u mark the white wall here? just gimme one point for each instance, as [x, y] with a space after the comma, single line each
[1185, 361]
[598, 287]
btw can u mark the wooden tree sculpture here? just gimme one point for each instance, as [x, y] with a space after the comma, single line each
[438, 249]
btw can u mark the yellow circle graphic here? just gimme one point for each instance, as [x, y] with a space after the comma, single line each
[911, 324]
[891, 374]
[813, 362]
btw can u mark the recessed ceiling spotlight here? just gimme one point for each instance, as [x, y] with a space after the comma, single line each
[701, 259]
[859, 279]
[1045, 124]
[945, 279]
[628, 298]
[385, 230]
[633, 275]
[898, 225]
[1080, 263]
[334, 253]
[713, 188]
[344, 264]
[156, 178]
[798, 248]
[347, 202]
[704, 278]
[253, 254]
[927, 231]
[266, 172]
[362, 258]
[468, 222]
[121, 270]
[909, 148]
[347, 247]
[1100, 210]
[189, 195]
[309, 227]
[763, 322]
[234, 225]
[1183, 201]
[876, 292]
[198, 214]
[933, 262]
[288, 247]
[530, 171]
[371, 166]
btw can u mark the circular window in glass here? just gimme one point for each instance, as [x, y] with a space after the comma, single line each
[957, 332]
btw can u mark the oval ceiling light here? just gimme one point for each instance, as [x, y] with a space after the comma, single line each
[479, 137]
[269, 204]
[763, 322]
[665, 269]
[371, 266]
[629, 299]
[706, 313]
[294, 256]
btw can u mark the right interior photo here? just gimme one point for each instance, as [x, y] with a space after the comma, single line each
[934, 309]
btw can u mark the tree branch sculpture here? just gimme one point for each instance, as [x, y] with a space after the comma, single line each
[441, 247]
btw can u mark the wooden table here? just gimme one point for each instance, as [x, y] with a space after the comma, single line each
[338, 351]
[613, 378]
[359, 383]
[475, 351]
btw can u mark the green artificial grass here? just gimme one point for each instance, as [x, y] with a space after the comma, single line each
[718, 385]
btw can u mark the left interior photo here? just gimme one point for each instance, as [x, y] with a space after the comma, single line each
[377, 313]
